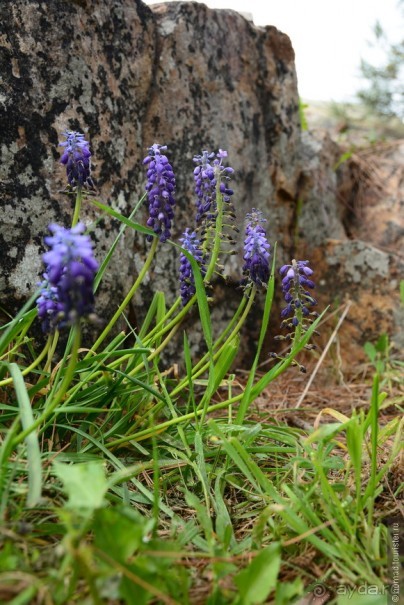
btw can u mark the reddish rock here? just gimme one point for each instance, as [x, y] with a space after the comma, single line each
[355, 241]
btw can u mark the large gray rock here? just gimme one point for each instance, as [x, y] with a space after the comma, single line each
[182, 75]
[69, 65]
[128, 76]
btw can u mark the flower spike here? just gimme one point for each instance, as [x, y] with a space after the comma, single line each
[296, 280]
[77, 159]
[256, 250]
[160, 192]
[187, 283]
[206, 175]
[67, 290]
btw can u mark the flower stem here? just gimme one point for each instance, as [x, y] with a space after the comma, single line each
[204, 362]
[77, 207]
[54, 342]
[33, 365]
[218, 233]
[127, 299]
[168, 314]
[69, 373]
[156, 351]
[178, 318]
[159, 428]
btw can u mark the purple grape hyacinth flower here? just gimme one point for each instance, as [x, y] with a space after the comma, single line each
[50, 309]
[256, 249]
[187, 284]
[77, 159]
[160, 192]
[207, 172]
[296, 280]
[67, 293]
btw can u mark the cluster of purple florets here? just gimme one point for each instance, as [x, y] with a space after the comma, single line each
[77, 159]
[256, 249]
[296, 279]
[210, 177]
[50, 309]
[206, 175]
[191, 244]
[160, 192]
[67, 289]
[67, 286]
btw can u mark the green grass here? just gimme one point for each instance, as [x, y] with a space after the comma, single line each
[126, 494]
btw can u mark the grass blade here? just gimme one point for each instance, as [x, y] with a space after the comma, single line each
[105, 262]
[31, 440]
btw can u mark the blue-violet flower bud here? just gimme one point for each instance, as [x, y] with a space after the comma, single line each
[256, 249]
[77, 159]
[70, 272]
[187, 283]
[160, 189]
[296, 280]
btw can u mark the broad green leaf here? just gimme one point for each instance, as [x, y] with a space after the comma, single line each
[203, 516]
[116, 534]
[223, 524]
[370, 351]
[256, 581]
[85, 484]
[286, 592]
[132, 592]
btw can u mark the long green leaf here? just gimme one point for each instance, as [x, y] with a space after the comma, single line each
[246, 400]
[122, 218]
[256, 581]
[20, 321]
[106, 261]
[31, 440]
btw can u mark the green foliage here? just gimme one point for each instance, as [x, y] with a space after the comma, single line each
[343, 158]
[384, 93]
[85, 485]
[256, 581]
[302, 116]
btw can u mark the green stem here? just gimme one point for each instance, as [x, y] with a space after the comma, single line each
[155, 430]
[32, 366]
[156, 351]
[127, 299]
[69, 373]
[77, 207]
[55, 338]
[177, 319]
[162, 321]
[203, 363]
[218, 232]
